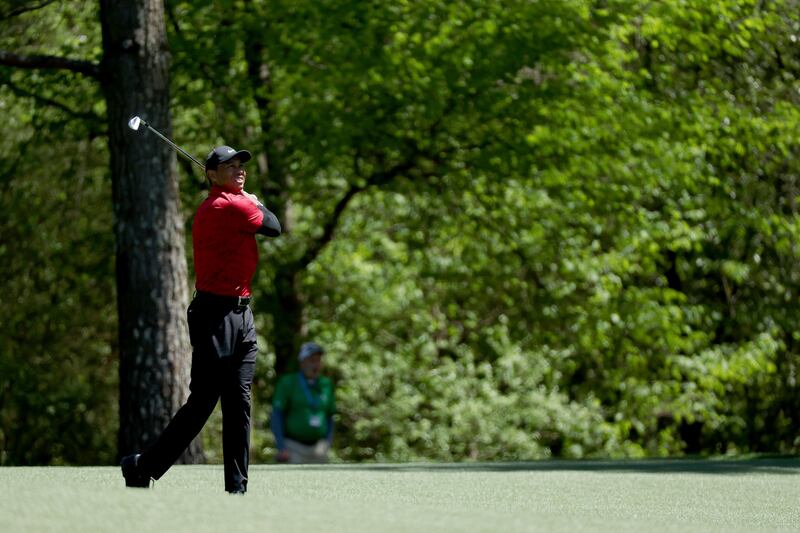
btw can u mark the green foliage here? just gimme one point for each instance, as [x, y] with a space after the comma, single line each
[589, 250]
[622, 235]
[58, 370]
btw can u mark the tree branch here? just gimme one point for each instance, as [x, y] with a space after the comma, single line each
[80, 66]
[377, 179]
[94, 122]
[206, 69]
[330, 225]
[15, 12]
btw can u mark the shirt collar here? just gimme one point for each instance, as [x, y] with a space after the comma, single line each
[216, 190]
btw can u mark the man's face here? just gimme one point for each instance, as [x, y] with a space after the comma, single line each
[229, 175]
[312, 366]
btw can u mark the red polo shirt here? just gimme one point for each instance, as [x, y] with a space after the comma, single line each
[225, 250]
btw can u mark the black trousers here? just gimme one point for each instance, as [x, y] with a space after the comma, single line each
[224, 346]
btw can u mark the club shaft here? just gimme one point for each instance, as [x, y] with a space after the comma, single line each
[175, 146]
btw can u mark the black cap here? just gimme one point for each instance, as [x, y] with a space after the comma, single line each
[220, 154]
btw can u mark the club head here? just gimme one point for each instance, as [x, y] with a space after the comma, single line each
[134, 123]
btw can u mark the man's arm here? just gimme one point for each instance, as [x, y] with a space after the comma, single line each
[256, 217]
[280, 405]
[329, 434]
[269, 224]
[277, 429]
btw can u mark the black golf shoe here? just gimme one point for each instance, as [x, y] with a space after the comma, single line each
[133, 475]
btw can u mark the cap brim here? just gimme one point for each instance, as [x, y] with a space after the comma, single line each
[241, 155]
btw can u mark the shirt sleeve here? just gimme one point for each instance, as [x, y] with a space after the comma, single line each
[269, 223]
[277, 428]
[281, 399]
[245, 214]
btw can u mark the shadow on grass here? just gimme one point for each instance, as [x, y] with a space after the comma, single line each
[765, 465]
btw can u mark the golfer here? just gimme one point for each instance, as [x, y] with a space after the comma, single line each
[221, 327]
[302, 411]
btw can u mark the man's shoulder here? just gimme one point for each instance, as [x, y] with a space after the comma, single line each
[214, 200]
[222, 197]
[221, 201]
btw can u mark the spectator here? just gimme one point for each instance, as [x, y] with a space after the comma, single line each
[302, 411]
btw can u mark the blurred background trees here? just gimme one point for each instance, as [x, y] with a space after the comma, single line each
[520, 229]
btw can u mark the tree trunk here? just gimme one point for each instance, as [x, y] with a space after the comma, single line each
[287, 318]
[286, 308]
[152, 286]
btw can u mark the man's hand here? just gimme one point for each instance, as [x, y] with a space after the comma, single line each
[252, 197]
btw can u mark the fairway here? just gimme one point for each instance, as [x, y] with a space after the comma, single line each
[658, 495]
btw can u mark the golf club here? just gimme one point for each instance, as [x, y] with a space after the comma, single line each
[136, 121]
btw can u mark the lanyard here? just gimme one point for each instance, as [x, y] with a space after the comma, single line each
[313, 402]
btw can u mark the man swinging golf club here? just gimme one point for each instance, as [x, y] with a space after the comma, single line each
[221, 327]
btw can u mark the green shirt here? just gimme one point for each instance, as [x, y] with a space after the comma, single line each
[305, 421]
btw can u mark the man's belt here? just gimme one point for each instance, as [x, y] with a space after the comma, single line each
[235, 301]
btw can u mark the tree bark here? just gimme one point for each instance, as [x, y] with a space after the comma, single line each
[286, 308]
[152, 287]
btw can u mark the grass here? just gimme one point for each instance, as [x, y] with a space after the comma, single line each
[659, 495]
